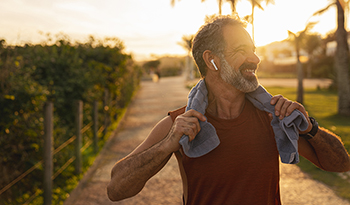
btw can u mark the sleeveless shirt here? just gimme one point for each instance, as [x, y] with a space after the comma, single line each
[243, 169]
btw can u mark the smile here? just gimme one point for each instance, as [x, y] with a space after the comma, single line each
[249, 71]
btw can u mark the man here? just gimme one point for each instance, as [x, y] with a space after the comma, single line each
[244, 168]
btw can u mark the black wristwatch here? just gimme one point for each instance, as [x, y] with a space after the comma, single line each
[313, 131]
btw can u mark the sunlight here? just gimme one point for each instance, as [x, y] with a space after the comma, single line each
[273, 23]
[152, 27]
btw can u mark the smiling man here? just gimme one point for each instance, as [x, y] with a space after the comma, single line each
[238, 162]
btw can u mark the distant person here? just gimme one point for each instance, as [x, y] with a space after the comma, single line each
[158, 74]
[155, 75]
[240, 164]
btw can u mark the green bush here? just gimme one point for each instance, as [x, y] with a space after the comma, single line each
[62, 73]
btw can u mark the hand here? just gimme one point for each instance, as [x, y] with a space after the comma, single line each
[185, 124]
[284, 107]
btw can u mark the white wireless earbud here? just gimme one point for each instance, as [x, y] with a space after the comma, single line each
[212, 61]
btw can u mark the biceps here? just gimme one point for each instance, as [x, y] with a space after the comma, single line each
[159, 131]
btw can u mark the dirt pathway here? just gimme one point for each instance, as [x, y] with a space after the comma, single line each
[149, 106]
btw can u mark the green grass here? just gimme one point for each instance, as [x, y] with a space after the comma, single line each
[322, 104]
[263, 74]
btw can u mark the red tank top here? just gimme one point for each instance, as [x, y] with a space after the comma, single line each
[243, 169]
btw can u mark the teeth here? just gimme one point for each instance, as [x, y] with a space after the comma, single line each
[252, 71]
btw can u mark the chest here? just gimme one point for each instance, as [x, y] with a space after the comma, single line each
[246, 147]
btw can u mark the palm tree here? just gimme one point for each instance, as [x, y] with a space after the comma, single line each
[341, 56]
[186, 43]
[249, 18]
[256, 3]
[297, 39]
[312, 42]
[220, 2]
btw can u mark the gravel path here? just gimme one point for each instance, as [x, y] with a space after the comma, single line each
[149, 106]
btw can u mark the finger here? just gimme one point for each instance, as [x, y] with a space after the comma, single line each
[270, 116]
[193, 122]
[293, 106]
[274, 99]
[187, 125]
[195, 126]
[191, 130]
[194, 113]
[287, 105]
[278, 105]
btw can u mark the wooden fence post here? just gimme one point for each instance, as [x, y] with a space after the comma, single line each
[48, 152]
[95, 125]
[106, 110]
[78, 140]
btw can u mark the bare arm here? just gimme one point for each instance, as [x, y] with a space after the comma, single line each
[325, 149]
[130, 174]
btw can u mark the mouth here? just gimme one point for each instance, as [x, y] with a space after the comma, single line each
[250, 71]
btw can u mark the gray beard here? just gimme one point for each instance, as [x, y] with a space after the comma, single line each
[237, 79]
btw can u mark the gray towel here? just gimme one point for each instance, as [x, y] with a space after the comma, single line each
[206, 139]
[286, 130]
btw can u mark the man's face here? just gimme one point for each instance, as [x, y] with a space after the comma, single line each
[238, 68]
[236, 77]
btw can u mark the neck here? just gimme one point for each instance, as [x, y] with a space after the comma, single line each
[224, 100]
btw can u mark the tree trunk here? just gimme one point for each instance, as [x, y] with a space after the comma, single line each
[309, 66]
[233, 5]
[220, 5]
[300, 91]
[253, 6]
[300, 97]
[342, 65]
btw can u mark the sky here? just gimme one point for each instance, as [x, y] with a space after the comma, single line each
[149, 28]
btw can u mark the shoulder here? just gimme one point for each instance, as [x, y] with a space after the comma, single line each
[173, 114]
[159, 131]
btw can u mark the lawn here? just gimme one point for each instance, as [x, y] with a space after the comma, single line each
[322, 104]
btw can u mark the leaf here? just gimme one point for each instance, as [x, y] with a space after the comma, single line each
[320, 12]
[291, 34]
[9, 97]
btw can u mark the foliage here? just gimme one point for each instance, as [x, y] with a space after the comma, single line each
[342, 58]
[61, 72]
[186, 43]
[323, 67]
[151, 65]
[170, 71]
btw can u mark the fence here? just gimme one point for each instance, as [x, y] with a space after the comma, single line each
[49, 150]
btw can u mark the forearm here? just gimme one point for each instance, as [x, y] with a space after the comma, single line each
[130, 174]
[330, 151]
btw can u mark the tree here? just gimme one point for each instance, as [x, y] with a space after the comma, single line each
[186, 43]
[296, 39]
[62, 71]
[151, 65]
[341, 56]
[256, 3]
[220, 2]
[249, 18]
[312, 42]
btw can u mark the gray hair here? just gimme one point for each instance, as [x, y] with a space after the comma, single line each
[210, 37]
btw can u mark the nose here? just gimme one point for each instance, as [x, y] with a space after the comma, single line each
[253, 58]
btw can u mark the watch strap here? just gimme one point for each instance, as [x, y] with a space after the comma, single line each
[313, 131]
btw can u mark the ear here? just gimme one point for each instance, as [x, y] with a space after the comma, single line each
[208, 56]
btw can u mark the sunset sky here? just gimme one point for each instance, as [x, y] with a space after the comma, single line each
[152, 26]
